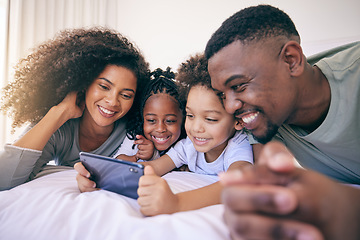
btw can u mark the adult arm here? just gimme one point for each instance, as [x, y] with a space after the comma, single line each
[22, 160]
[37, 137]
[276, 200]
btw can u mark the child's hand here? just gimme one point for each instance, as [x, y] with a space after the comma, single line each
[82, 178]
[145, 146]
[155, 195]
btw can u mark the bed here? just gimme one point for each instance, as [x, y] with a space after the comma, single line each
[51, 207]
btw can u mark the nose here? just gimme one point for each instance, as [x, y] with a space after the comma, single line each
[161, 127]
[112, 99]
[197, 125]
[232, 103]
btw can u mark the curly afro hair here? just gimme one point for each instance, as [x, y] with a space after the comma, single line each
[69, 62]
[252, 24]
[161, 82]
[192, 73]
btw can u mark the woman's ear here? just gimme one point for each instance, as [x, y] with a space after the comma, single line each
[239, 125]
[292, 54]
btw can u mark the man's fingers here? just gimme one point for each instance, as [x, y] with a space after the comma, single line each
[260, 198]
[277, 157]
[252, 226]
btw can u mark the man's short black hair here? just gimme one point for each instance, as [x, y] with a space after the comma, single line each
[251, 24]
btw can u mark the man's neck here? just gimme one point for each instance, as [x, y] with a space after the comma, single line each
[315, 97]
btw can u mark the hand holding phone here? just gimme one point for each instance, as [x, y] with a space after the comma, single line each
[113, 174]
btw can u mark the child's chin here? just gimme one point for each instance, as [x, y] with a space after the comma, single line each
[162, 147]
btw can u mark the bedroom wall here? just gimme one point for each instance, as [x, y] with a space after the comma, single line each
[168, 31]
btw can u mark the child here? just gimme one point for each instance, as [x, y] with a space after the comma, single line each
[159, 124]
[212, 146]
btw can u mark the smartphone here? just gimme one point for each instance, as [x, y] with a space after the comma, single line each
[113, 174]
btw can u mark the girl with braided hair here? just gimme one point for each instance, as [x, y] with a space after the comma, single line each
[77, 91]
[160, 122]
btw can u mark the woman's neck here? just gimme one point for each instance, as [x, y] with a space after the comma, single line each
[91, 135]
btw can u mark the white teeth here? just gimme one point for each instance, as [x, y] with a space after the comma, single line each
[106, 110]
[250, 118]
[161, 139]
[200, 139]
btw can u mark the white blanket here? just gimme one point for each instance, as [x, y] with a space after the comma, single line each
[52, 207]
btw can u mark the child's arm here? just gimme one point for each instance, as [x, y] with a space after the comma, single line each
[156, 197]
[256, 148]
[127, 158]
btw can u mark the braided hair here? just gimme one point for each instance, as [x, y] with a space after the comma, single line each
[160, 82]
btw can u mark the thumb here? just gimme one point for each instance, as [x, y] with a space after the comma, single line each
[138, 137]
[149, 170]
[276, 156]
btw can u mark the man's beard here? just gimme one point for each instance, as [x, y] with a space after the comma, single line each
[271, 130]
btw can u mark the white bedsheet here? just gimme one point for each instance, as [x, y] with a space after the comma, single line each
[52, 207]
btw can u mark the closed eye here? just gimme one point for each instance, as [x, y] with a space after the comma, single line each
[211, 120]
[171, 121]
[190, 116]
[239, 87]
[150, 120]
[104, 87]
[126, 96]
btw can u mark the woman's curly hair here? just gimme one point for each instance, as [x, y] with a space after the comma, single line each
[69, 62]
[161, 82]
[192, 73]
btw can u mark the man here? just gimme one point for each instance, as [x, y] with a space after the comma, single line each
[256, 64]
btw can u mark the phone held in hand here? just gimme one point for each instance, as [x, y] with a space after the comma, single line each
[113, 174]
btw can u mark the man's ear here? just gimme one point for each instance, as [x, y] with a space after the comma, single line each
[292, 54]
[239, 125]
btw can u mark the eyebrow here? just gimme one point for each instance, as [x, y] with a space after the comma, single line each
[108, 81]
[207, 111]
[153, 114]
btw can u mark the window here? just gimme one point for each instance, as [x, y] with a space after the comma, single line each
[4, 131]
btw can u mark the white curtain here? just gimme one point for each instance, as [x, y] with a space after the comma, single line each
[34, 21]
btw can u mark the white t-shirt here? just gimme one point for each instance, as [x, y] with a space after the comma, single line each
[237, 149]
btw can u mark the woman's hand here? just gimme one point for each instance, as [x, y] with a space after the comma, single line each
[74, 104]
[37, 137]
[155, 195]
[145, 146]
[82, 178]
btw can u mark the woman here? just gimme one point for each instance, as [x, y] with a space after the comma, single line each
[77, 90]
